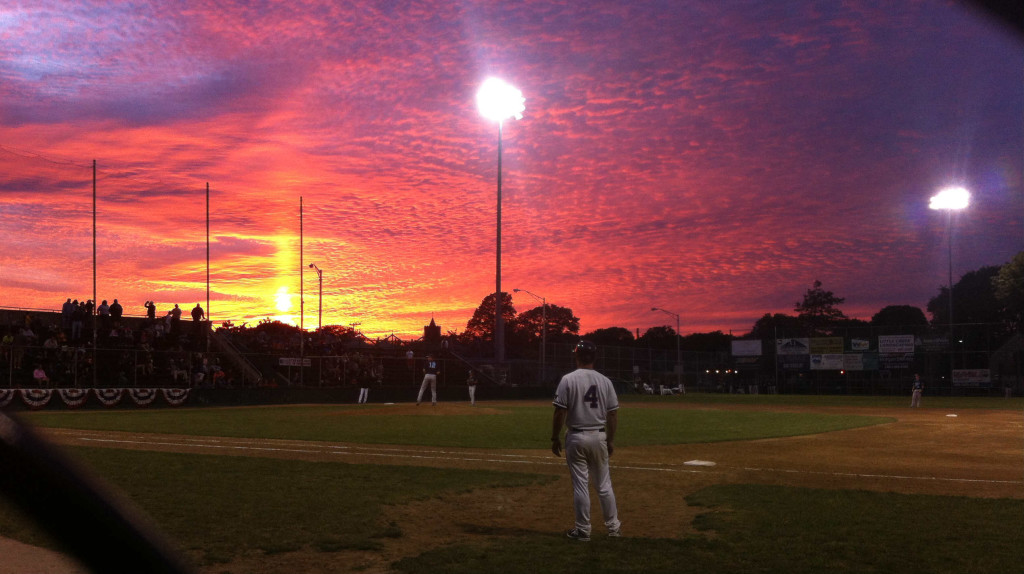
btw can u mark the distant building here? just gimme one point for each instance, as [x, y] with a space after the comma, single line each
[432, 334]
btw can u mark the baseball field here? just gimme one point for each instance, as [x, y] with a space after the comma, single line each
[705, 483]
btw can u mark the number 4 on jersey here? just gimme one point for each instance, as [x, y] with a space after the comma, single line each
[591, 396]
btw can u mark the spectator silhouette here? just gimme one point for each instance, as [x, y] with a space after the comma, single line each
[197, 324]
[77, 320]
[65, 314]
[197, 313]
[104, 312]
[116, 311]
[175, 320]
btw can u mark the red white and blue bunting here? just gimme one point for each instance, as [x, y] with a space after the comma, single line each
[175, 397]
[109, 397]
[36, 398]
[142, 397]
[74, 398]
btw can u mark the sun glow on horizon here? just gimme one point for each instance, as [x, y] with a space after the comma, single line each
[283, 299]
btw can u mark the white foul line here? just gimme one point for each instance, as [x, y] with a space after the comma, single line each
[402, 453]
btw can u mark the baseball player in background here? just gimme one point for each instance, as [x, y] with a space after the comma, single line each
[365, 376]
[915, 392]
[586, 403]
[429, 378]
[471, 385]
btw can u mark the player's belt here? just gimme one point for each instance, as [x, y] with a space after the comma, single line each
[586, 430]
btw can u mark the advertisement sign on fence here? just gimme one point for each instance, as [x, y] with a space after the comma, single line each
[746, 362]
[895, 360]
[826, 345]
[827, 362]
[895, 343]
[853, 362]
[935, 343]
[751, 348]
[293, 362]
[798, 346]
[972, 377]
[795, 362]
[859, 344]
[860, 361]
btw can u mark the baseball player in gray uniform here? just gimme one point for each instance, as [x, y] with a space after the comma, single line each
[586, 403]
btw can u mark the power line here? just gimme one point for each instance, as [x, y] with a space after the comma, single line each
[40, 156]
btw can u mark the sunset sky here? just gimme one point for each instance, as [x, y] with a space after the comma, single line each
[709, 158]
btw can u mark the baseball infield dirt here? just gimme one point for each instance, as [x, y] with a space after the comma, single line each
[975, 453]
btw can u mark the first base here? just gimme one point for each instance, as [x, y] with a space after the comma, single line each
[699, 463]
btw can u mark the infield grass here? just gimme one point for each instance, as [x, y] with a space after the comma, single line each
[219, 507]
[774, 529]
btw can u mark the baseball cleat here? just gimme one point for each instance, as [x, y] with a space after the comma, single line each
[615, 533]
[577, 534]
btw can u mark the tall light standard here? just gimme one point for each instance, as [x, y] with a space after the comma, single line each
[679, 359]
[499, 101]
[950, 199]
[543, 330]
[320, 298]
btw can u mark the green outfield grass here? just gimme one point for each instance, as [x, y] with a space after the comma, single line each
[509, 427]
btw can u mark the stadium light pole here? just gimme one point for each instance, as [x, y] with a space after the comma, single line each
[949, 200]
[498, 101]
[543, 330]
[320, 297]
[679, 358]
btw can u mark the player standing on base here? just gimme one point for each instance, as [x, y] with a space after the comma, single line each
[586, 403]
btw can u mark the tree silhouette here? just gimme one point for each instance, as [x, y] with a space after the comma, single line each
[562, 323]
[772, 325]
[663, 337]
[974, 299]
[481, 324]
[713, 342]
[1009, 291]
[819, 310]
[611, 336]
[899, 315]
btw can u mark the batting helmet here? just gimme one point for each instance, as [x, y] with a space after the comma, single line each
[586, 352]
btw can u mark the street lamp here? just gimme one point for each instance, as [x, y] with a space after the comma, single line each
[499, 101]
[320, 298]
[543, 330]
[950, 199]
[679, 360]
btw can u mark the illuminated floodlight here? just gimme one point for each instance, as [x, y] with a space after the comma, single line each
[952, 198]
[498, 100]
[949, 200]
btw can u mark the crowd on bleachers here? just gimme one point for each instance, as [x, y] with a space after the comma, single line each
[50, 350]
[334, 361]
[87, 345]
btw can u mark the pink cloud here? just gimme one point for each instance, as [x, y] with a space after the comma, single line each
[699, 158]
